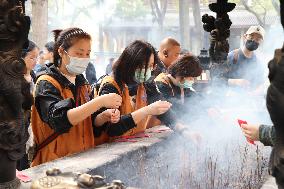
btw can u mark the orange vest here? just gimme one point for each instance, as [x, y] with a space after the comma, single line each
[125, 108]
[79, 138]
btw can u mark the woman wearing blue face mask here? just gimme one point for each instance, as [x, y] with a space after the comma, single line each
[62, 119]
[130, 72]
[177, 84]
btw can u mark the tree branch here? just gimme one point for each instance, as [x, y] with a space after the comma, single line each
[244, 2]
[157, 9]
[153, 10]
[159, 13]
[276, 6]
[265, 12]
[164, 9]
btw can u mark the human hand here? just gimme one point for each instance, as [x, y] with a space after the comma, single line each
[251, 131]
[111, 115]
[158, 107]
[115, 116]
[111, 100]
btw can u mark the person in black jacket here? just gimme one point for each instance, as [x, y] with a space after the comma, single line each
[63, 108]
[177, 84]
[30, 56]
[91, 75]
[130, 72]
[275, 106]
[46, 58]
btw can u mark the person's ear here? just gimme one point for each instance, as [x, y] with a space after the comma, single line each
[244, 38]
[165, 52]
[60, 51]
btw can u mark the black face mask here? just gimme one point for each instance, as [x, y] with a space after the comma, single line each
[251, 45]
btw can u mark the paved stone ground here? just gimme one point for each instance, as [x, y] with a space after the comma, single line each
[270, 184]
[107, 159]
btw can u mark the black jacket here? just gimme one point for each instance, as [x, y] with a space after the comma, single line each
[91, 74]
[172, 93]
[275, 106]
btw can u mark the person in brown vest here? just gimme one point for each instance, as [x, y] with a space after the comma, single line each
[177, 84]
[130, 71]
[62, 113]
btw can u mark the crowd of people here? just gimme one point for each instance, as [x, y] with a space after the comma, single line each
[144, 87]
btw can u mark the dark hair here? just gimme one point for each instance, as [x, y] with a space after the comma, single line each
[30, 48]
[135, 56]
[186, 66]
[184, 51]
[49, 46]
[65, 39]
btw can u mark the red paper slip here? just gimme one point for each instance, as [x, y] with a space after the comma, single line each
[240, 124]
[22, 176]
[138, 135]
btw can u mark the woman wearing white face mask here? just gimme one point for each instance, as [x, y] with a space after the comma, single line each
[61, 116]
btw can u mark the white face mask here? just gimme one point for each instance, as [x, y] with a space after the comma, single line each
[77, 65]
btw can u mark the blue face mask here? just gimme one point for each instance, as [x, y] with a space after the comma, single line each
[141, 77]
[186, 85]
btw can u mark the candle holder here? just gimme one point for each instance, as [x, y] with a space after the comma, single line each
[219, 29]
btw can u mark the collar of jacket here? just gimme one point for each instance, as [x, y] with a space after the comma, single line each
[64, 82]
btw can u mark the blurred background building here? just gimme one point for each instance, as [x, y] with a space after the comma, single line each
[115, 23]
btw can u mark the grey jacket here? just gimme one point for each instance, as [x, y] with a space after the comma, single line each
[267, 135]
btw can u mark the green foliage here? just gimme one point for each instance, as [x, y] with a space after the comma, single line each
[262, 5]
[131, 9]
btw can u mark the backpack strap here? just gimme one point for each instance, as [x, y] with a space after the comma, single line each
[236, 56]
[162, 77]
[51, 80]
[44, 143]
[107, 79]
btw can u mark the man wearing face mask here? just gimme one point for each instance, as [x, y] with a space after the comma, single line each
[245, 70]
